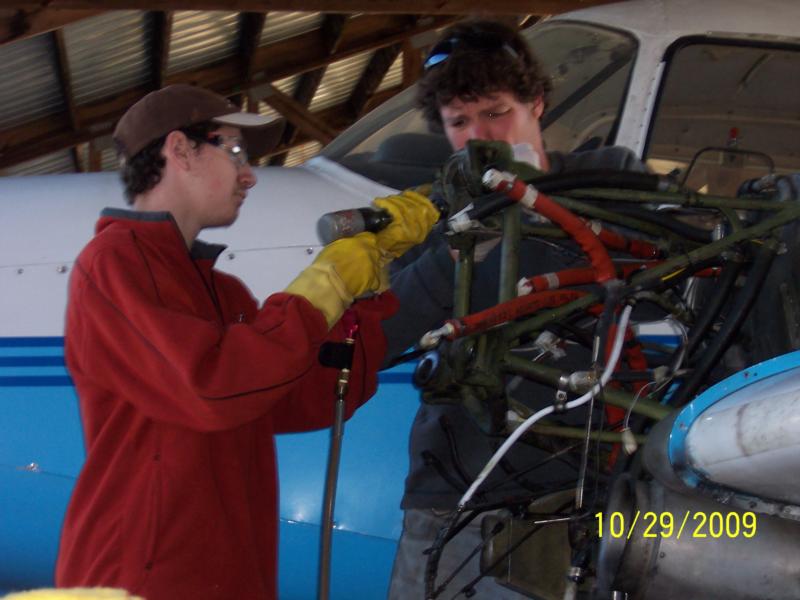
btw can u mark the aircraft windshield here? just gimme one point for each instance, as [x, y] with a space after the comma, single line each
[589, 67]
[736, 100]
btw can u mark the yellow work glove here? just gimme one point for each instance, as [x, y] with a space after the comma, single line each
[413, 216]
[342, 271]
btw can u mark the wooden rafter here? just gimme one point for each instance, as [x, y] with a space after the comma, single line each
[337, 118]
[66, 80]
[252, 23]
[299, 54]
[298, 114]
[439, 7]
[18, 24]
[371, 78]
[412, 63]
[331, 33]
[162, 34]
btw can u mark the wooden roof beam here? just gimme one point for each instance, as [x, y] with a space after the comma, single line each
[299, 54]
[53, 135]
[252, 23]
[371, 78]
[439, 7]
[62, 65]
[162, 34]
[298, 114]
[16, 25]
[331, 32]
[337, 117]
[307, 52]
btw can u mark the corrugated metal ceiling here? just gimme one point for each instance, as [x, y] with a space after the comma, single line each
[30, 87]
[201, 38]
[281, 25]
[112, 53]
[108, 54]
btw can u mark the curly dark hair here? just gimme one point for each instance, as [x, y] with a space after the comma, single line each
[482, 57]
[142, 172]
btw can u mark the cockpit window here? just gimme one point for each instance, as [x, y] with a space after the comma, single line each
[728, 108]
[589, 67]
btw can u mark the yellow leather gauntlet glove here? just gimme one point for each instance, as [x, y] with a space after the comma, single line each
[413, 216]
[342, 271]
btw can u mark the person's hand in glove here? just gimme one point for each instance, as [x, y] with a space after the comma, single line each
[342, 271]
[413, 216]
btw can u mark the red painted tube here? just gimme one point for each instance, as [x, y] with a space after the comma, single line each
[510, 310]
[636, 248]
[636, 360]
[579, 276]
[575, 227]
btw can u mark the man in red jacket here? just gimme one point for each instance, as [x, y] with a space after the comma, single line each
[183, 379]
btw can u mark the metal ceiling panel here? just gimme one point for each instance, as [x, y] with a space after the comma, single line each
[300, 154]
[394, 76]
[287, 85]
[108, 54]
[202, 38]
[280, 25]
[109, 161]
[30, 86]
[57, 162]
[339, 80]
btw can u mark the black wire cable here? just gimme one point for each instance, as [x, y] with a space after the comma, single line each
[713, 306]
[694, 234]
[741, 308]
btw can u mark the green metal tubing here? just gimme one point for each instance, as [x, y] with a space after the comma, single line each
[536, 323]
[542, 318]
[614, 397]
[606, 215]
[509, 257]
[463, 277]
[716, 248]
[580, 433]
[691, 199]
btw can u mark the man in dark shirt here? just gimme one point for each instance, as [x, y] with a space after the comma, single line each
[480, 82]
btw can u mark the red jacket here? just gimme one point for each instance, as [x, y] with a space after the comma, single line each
[182, 382]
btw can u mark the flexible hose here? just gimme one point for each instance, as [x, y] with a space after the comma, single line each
[547, 207]
[694, 234]
[714, 304]
[510, 310]
[501, 452]
[741, 308]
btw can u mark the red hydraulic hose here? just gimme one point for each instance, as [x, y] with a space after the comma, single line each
[577, 276]
[634, 356]
[617, 241]
[582, 233]
[510, 310]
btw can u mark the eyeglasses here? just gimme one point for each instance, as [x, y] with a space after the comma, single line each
[486, 43]
[235, 148]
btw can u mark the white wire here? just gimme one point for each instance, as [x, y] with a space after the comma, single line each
[501, 451]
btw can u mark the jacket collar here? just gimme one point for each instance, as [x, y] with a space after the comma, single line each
[200, 250]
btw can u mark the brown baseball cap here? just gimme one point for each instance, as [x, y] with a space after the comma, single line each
[181, 105]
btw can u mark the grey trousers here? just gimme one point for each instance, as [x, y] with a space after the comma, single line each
[420, 527]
